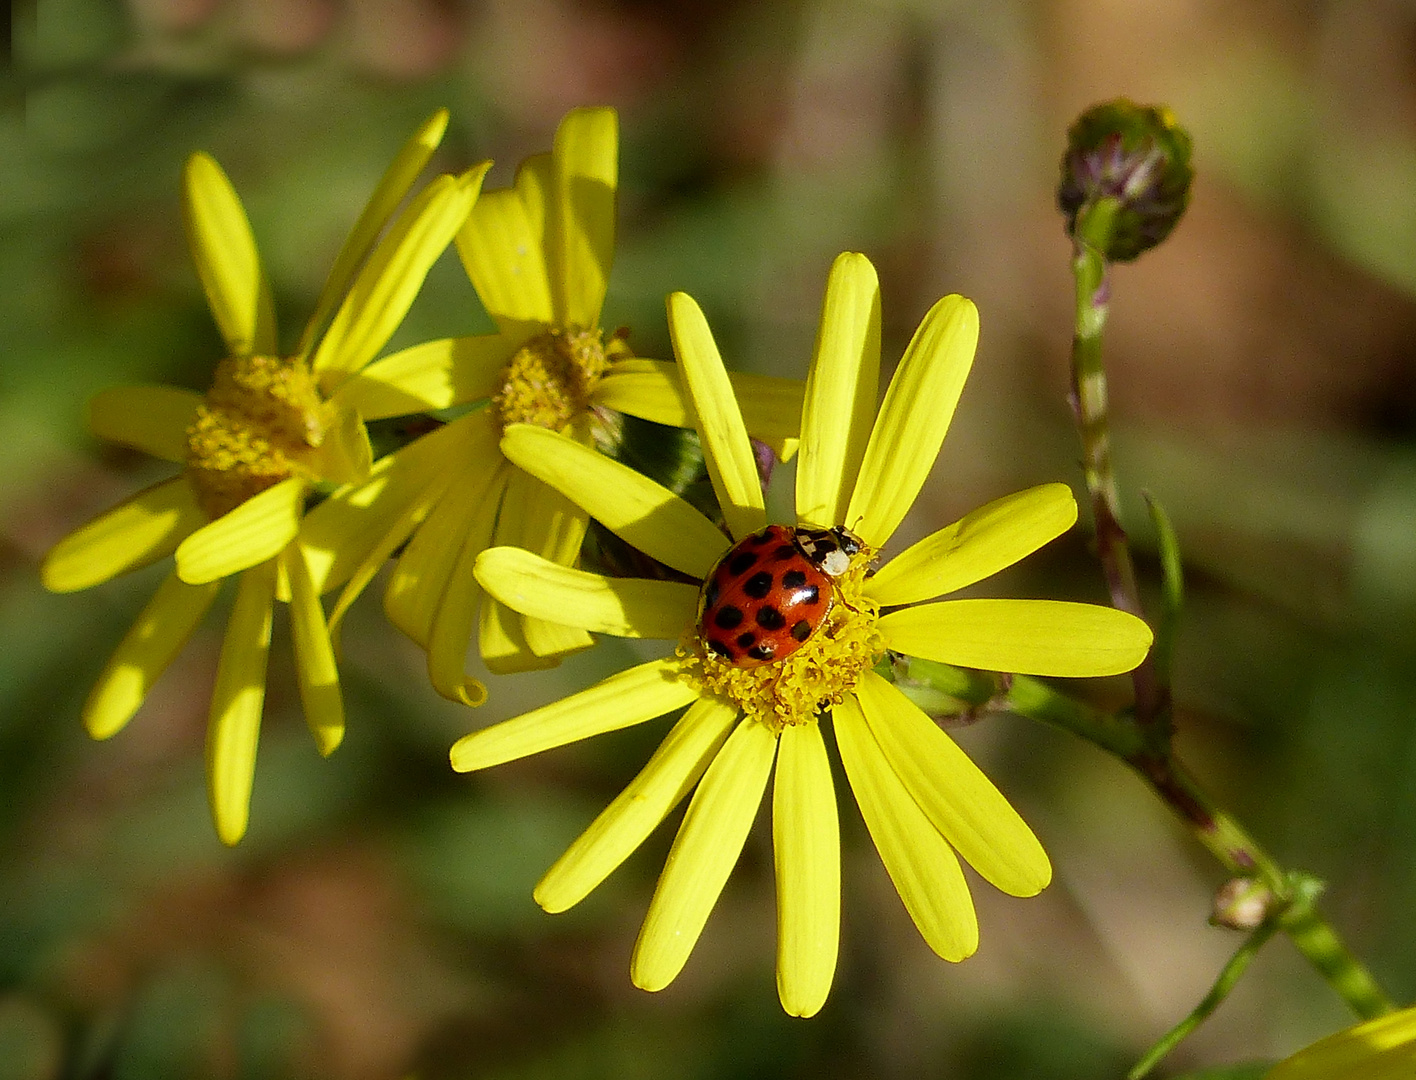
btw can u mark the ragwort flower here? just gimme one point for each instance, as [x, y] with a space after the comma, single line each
[539, 254]
[923, 801]
[270, 429]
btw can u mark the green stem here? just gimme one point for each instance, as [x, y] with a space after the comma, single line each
[1228, 979]
[1294, 895]
[1318, 941]
[1172, 579]
[1148, 749]
[1092, 237]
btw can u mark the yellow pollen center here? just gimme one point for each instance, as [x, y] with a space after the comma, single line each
[259, 421]
[549, 381]
[795, 689]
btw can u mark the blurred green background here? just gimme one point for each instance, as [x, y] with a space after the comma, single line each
[377, 922]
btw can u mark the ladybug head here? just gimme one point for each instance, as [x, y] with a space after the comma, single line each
[829, 550]
[848, 541]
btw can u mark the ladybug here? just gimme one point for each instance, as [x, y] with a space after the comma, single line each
[772, 591]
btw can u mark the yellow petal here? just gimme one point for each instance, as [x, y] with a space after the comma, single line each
[344, 531]
[397, 535]
[625, 824]
[731, 464]
[621, 701]
[255, 531]
[707, 846]
[227, 262]
[553, 641]
[1381, 1049]
[501, 641]
[806, 843]
[503, 248]
[427, 377]
[585, 164]
[501, 637]
[345, 456]
[974, 547]
[554, 527]
[953, 792]
[152, 643]
[391, 189]
[1025, 637]
[840, 392]
[236, 703]
[923, 867]
[913, 419]
[625, 607]
[134, 533]
[153, 419]
[315, 667]
[450, 635]
[644, 514]
[415, 589]
[652, 390]
[384, 290]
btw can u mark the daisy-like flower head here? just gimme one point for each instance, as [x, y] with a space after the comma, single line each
[923, 800]
[270, 429]
[539, 254]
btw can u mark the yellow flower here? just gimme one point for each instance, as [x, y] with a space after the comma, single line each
[922, 799]
[1381, 1049]
[539, 255]
[269, 429]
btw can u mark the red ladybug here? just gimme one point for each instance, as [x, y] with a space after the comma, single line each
[772, 591]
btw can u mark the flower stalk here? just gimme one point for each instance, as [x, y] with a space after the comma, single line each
[1315, 938]
[1294, 894]
[1229, 977]
[1092, 237]
[1125, 184]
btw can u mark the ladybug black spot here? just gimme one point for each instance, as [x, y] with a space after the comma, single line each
[793, 579]
[802, 630]
[721, 649]
[727, 618]
[808, 596]
[745, 640]
[741, 563]
[785, 552]
[769, 618]
[764, 537]
[765, 651]
[758, 586]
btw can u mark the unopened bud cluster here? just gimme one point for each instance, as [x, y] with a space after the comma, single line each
[1136, 155]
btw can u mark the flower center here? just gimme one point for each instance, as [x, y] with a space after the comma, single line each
[810, 679]
[549, 381]
[259, 421]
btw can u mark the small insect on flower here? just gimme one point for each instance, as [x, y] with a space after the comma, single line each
[751, 720]
[770, 593]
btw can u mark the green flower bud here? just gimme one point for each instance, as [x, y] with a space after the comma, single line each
[1138, 158]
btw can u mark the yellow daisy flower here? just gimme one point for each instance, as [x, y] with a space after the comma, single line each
[1381, 1049]
[269, 429]
[923, 801]
[539, 255]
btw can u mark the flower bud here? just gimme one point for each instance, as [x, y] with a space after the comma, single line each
[1242, 904]
[1136, 155]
